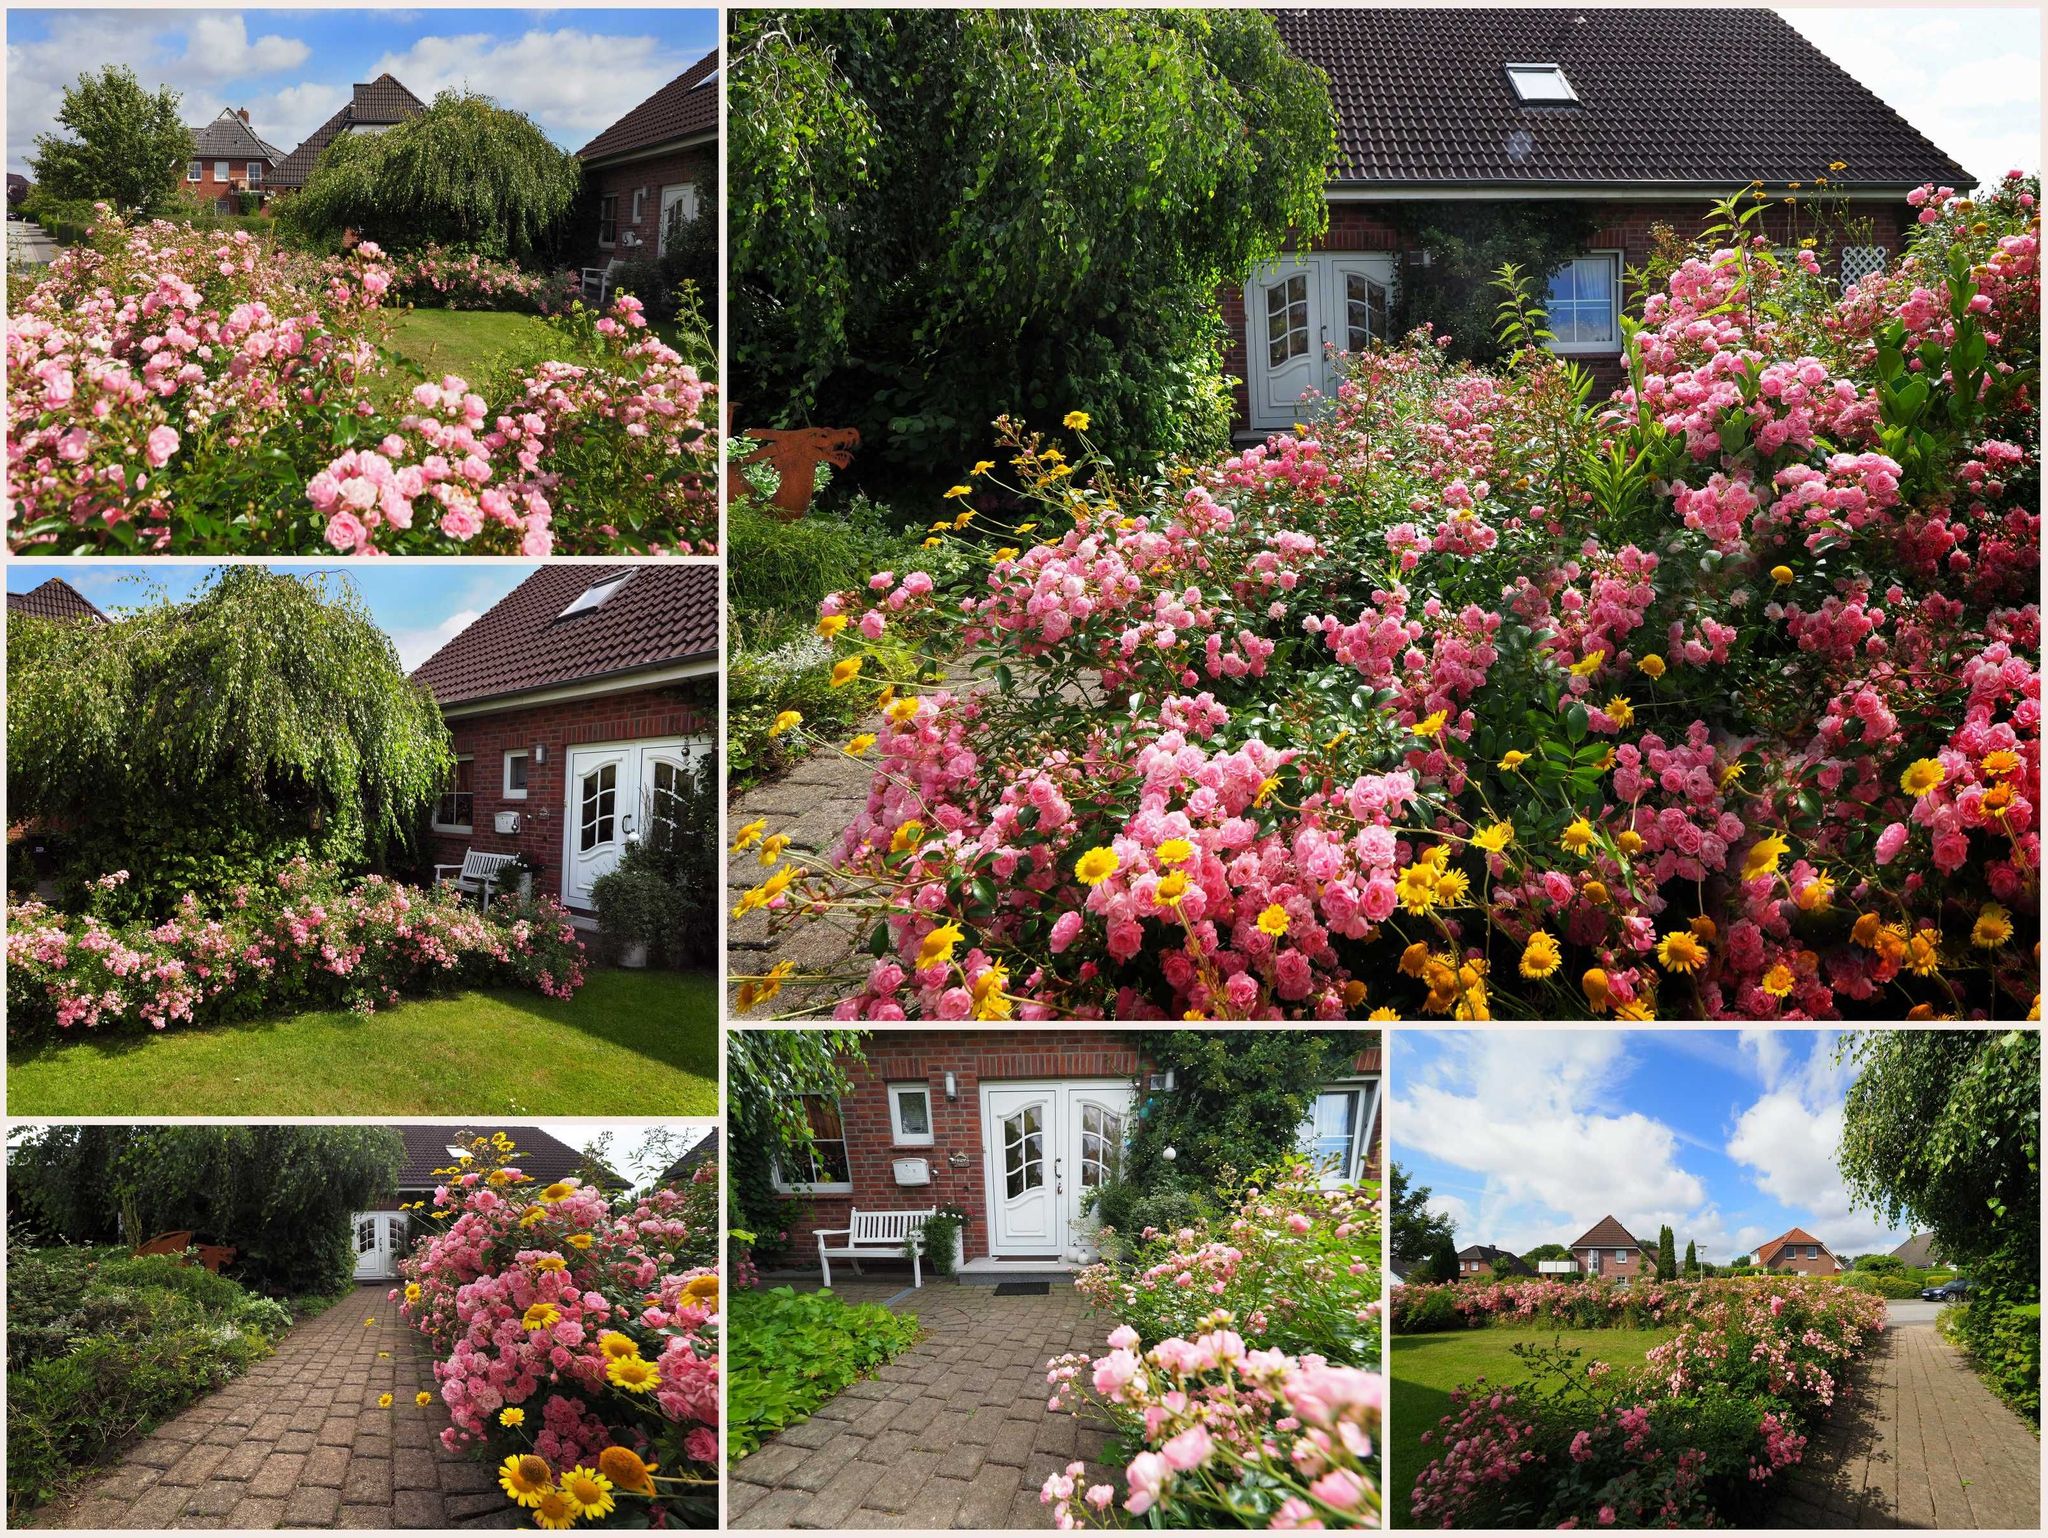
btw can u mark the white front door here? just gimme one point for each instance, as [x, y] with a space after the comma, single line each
[1046, 1146]
[678, 208]
[380, 1241]
[1299, 312]
[616, 793]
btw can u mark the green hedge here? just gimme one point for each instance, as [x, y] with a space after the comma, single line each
[102, 1347]
[2004, 1342]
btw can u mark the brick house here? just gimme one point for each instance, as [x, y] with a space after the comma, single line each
[1607, 1249]
[1645, 114]
[56, 599]
[229, 159]
[579, 705]
[642, 172]
[1797, 1250]
[384, 1235]
[372, 108]
[1475, 1258]
[1012, 1128]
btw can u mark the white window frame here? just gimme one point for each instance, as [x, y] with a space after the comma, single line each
[255, 176]
[434, 817]
[1516, 72]
[897, 1134]
[639, 204]
[818, 1187]
[1591, 349]
[221, 172]
[516, 792]
[1621, 1257]
[195, 170]
[1367, 1088]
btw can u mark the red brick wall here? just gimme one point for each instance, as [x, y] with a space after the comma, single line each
[209, 189]
[926, 1057]
[680, 710]
[1635, 1263]
[1793, 1258]
[1627, 228]
[653, 174]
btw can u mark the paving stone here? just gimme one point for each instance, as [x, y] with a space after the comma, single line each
[279, 1475]
[772, 1464]
[470, 1503]
[215, 1499]
[368, 1481]
[779, 1509]
[326, 1466]
[157, 1506]
[418, 1508]
[815, 1432]
[466, 1475]
[258, 1513]
[414, 1468]
[196, 1467]
[835, 1500]
[243, 1460]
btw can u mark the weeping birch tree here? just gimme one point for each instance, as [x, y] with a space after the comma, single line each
[465, 172]
[201, 744]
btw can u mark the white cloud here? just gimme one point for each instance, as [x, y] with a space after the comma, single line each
[1454, 1209]
[416, 646]
[574, 83]
[1538, 1115]
[217, 47]
[1969, 78]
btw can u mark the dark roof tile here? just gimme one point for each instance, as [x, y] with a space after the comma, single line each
[1701, 97]
[684, 108]
[380, 103]
[1607, 1234]
[55, 599]
[666, 612]
[227, 137]
[547, 1158]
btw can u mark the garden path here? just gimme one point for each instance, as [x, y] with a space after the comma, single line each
[954, 1433]
[28, 244]
[1924, 1444]
[299, 1441]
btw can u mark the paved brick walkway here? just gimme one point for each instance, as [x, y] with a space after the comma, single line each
[952, 1434]
[1923, 1444]
[298, 1441]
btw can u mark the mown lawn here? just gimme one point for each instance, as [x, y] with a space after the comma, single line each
[1426, 1368]
[628, 1044]
[479, 345]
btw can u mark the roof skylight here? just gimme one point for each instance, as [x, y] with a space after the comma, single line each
[596, 593]
[1542, 85]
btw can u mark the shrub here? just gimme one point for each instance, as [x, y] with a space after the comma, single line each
[1686, 1441]
[1720, 697]
[1886, 1284]
[2004, 1342]
[99, 1349]
[467, 280]
[663, 891]
[306, 940]
[790, 1352]
[575, 1340]
[284, 1196]
[136, 425]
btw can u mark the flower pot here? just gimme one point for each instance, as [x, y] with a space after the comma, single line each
[633, 954]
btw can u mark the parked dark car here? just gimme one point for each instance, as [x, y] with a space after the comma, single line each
[1947, 1292]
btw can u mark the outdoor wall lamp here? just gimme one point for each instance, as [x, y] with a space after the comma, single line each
[952, 1089]
[540, 752]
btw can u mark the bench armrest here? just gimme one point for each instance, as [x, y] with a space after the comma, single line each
[441, 871]
[822, 1232]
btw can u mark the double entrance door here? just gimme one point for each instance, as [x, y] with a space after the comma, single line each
[1297, 310]
[1045, 1147]
[617, 793]
[380, 1245]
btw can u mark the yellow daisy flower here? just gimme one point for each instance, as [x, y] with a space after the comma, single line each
[1273, 921]
[1540, 955]
[633, 1375]
[588, 1491]
[1922, 775]
[1097, 865]
[526, 1477]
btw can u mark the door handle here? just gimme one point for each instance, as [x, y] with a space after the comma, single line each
[626, 826]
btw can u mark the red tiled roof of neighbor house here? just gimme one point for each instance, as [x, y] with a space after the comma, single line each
[55, 599]
[1693, 98]
[229, 137]
[377, 104]
[683, 109]
[547, 1158]
[1790, 1236]
[1607, 1234]
[666, 612]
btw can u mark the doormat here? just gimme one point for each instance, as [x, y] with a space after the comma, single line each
[1023, 1289]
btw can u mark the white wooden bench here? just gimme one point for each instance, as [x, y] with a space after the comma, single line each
[599, 278]
[877, 1236]
[478, 873]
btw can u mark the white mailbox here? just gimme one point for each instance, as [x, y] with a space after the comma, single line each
[507, 822]
[913, 1172]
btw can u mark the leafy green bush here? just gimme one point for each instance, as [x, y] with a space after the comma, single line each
[789, 1352]
[1887, 1284]
[2004, 1342]
[101, 1347]
[664, 890]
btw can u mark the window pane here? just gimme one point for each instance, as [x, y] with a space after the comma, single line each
[515, 771]
[913, 1112]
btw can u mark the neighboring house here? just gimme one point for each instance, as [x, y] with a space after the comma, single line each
[1607, 1249]
[229, 159]
[56, 599]
[1920, 1251]
[1797, 1250]
[703, 1151]
[384, 1237]
[17, 188]
[1013, 1128]
[1650, 114]
[371, 109]
[641, 173]
[1475, 1258]
[580, 705]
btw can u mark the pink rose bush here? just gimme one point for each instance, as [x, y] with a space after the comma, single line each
[454, 280]
[1693, 1438]
[174, 391]
[1244, 1367]
[1717, 698]
[308, 939]
[576, 1338]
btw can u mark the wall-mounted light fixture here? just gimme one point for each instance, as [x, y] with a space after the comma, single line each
[952, 1089]
[540, 752]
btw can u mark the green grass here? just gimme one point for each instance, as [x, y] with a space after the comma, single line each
[479, 345]
[1427, 1367]
[628, 1044]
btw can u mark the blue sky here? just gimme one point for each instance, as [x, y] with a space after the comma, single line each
[419, 604]
[1527, 1137]
[573, 71]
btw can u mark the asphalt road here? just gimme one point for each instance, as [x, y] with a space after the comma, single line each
[1905, 1311]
